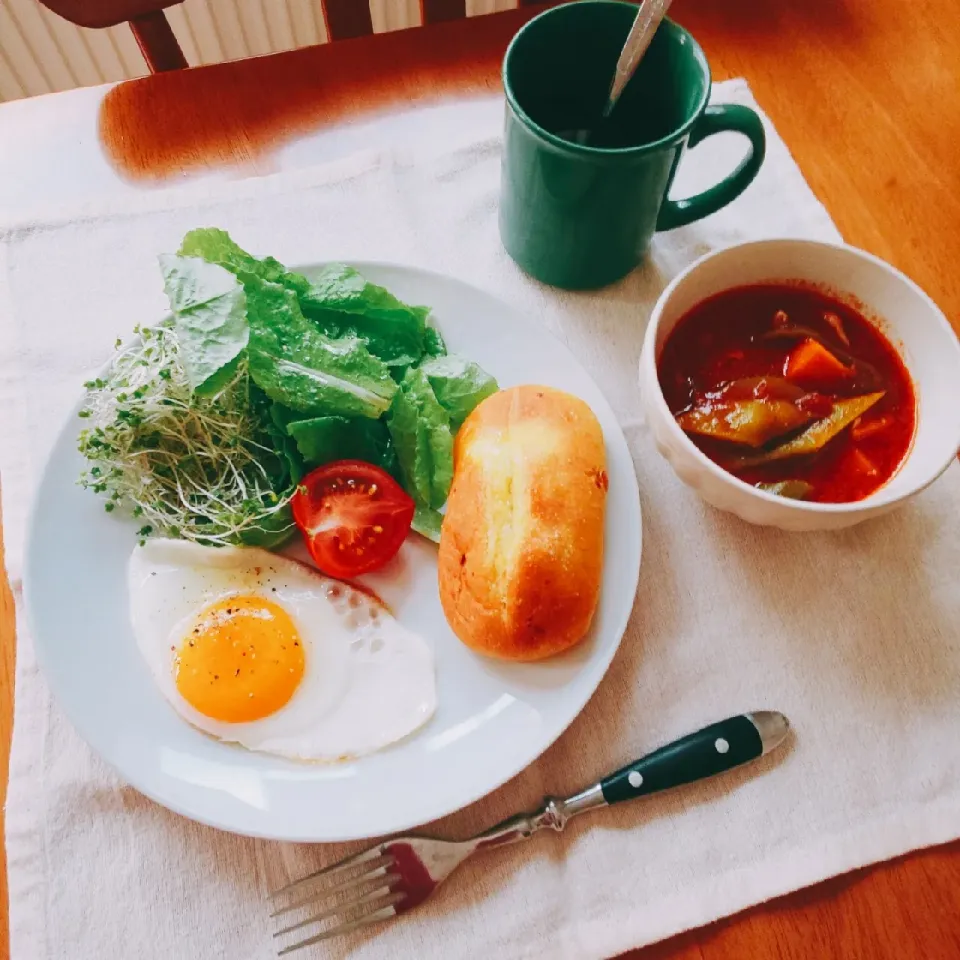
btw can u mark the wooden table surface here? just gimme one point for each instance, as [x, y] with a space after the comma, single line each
[866, 94]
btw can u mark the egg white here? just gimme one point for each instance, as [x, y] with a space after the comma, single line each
[367, 682]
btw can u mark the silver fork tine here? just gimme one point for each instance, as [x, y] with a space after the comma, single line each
[367, 898]
[332, 870]
[384, 914]
[374, 868]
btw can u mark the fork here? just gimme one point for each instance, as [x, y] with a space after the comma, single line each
[397, 875]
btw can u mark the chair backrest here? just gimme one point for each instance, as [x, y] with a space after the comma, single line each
[351, 18]
[105, 13]
[150, 27]
[343, 18]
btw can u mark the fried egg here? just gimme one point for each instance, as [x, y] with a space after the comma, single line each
[258, 649]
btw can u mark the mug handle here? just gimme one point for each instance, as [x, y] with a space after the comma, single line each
[718, 118]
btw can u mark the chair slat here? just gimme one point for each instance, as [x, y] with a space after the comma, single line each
[436, 11]
[346, 18]
[157, 43]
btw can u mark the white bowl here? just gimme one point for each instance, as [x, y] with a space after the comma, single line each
[899, 308]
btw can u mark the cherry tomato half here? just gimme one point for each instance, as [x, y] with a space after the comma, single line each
[353, 517]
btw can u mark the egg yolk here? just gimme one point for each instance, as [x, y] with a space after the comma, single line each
[242, 660]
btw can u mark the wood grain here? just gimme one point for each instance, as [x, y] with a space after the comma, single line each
[238, 114]
[871, 112]
[901, 910]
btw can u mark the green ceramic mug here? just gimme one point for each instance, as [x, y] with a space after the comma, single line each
[580, 215]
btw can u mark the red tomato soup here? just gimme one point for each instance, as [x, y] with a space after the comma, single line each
[791, 391]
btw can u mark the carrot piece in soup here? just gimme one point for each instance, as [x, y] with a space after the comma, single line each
[860, 463]
[812, 361]
[860, 430]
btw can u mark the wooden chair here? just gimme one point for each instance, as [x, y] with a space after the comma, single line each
[343, 18]
[150, 27]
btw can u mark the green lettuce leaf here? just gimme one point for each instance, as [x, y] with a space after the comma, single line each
[420, 429]
[458, 384]
[325, 439]
[342, 303]
[284, 444]
[210, 318]
[271, 531]
[281, 416]
[216, 246]
[433, 343]
[410, 441]
[427, 522]
[297, 366]
[285, 468]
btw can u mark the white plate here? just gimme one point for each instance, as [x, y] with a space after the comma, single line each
[493, 718]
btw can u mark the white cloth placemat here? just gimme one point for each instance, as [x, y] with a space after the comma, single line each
[855, 635]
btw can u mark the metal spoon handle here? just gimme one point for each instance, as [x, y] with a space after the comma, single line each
[641, 33]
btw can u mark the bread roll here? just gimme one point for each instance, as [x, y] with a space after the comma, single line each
[521, 548]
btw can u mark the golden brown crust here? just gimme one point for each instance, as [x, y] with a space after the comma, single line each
[521, 549]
